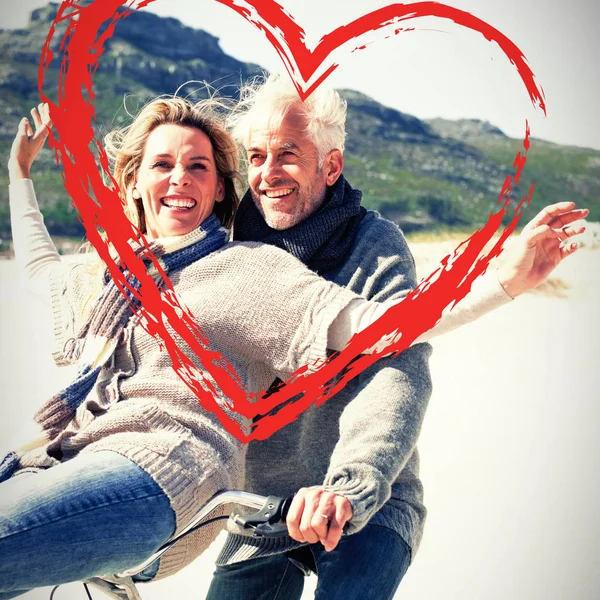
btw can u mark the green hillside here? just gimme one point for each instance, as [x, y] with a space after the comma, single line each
[423, 175]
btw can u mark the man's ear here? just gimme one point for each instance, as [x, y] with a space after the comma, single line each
[333, 167]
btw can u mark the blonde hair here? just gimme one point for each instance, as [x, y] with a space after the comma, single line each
[125, 149]
[271, 99]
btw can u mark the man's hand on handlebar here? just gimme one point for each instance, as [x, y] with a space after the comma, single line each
[318, 516]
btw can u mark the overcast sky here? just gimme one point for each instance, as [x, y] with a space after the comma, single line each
[439, 70]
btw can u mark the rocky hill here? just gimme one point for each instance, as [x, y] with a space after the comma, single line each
[423, 175]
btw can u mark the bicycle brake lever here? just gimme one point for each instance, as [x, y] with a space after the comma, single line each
[268, 530]
[268, 520]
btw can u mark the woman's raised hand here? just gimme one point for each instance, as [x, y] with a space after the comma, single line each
[541, 246]
[27, 143]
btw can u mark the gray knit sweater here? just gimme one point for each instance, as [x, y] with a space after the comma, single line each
[362, 442]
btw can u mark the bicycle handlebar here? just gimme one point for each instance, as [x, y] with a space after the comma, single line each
[268, 521]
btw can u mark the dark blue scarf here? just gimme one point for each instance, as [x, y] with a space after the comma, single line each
[322, 241]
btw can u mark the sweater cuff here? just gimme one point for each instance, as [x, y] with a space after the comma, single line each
[499, 290]
[366, 489]
[501, 293]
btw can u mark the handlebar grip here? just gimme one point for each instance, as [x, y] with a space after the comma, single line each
[285, 507]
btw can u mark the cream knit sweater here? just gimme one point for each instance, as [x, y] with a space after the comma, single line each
[255, 304]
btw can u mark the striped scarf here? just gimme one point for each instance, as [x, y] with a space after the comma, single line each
[99, 336]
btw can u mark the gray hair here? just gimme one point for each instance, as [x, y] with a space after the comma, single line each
[324, 111]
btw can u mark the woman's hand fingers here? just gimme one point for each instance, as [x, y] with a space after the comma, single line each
[41, 119]
[571, 231]
[568, 217]
[539, 233]
[553, 211]
[28, 143]
[556, 215]
[36, 118]
[45, 114]
[24, 129]
[545, 232]
[568, 249]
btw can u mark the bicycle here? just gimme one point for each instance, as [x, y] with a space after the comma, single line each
[267, 521]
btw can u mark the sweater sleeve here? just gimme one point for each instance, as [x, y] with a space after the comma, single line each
[278, 312]
[379, 426]
[67, 288]
[486, 295]
[35, 252]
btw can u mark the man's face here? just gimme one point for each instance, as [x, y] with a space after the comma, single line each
[284, 176]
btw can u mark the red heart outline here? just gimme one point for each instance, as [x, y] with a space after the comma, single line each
[287, 37]
[72, 115]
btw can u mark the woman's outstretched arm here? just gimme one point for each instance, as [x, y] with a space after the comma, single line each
[527, 262]
[34, 250]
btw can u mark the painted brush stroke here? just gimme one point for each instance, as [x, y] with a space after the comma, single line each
[100, 207]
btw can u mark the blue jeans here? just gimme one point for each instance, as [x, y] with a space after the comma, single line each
[98, 513]
[368, 565]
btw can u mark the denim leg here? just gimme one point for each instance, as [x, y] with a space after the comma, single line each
[368, 565]
[270, 578]
[95, 514]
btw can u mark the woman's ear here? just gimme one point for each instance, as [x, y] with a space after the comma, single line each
[135, 194]
[220, 190]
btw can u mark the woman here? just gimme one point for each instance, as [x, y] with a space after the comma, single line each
[129, 453]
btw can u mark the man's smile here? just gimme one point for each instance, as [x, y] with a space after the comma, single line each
[277, 193]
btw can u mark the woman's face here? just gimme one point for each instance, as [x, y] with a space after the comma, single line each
[177, 180]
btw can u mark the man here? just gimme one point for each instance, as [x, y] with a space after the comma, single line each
[351, 462]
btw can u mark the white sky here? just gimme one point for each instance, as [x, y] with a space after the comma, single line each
[439, 70]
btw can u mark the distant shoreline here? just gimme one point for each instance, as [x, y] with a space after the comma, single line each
[450, 236]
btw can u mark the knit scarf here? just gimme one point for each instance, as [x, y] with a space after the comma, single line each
[322, 241]
[98, 338]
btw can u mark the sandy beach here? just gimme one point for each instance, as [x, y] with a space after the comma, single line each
[509, 447]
